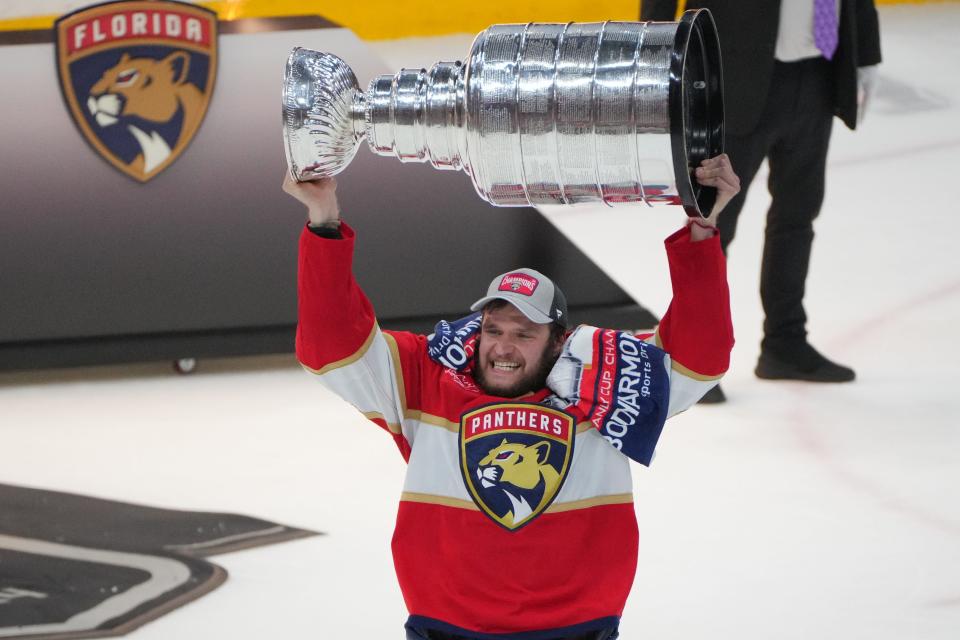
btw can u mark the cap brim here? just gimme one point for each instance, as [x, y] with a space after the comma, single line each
[519, 302]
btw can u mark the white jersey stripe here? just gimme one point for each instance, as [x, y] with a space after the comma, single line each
[371, 381]
[397, 368]
[434, 464]
[434, 467]
[592, 452]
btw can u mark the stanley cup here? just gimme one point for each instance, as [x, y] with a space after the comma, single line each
[539, 114]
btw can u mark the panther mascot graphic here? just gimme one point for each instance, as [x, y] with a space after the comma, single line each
[153, 92]
[522, 473]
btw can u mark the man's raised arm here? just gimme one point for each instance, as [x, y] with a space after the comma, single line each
[696, 330]
[338, 339]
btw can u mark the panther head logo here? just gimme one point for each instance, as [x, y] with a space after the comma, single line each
[515, 457]
[153, 92]
[137, 77]
[522, 473]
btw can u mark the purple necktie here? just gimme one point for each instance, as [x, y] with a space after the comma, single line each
[825, 26]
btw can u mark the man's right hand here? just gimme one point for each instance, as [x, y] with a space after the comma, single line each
[320, 197]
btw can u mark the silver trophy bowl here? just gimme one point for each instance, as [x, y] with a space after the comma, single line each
[614, 112]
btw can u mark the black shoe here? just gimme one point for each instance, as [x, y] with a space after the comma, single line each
[804, 363]
[714, 396]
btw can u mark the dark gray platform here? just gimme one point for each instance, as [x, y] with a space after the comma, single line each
[73, 566]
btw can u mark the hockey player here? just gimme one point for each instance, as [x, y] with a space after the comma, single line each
[516, 518]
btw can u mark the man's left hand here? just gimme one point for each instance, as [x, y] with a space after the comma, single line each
[718, 172]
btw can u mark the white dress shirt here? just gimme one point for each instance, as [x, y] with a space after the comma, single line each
[795, 34]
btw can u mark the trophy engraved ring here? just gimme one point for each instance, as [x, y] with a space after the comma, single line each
[612, 112]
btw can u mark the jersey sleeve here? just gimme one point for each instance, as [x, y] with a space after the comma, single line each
[340, 342]
[696, 331]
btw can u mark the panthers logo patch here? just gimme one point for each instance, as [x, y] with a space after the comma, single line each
[137, 77]
[514, 459]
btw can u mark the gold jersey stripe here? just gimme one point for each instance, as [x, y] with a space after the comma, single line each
[409, 496]
[586, 503]
[436, 421]
[359, 353]
[393, 427]
[690, 373]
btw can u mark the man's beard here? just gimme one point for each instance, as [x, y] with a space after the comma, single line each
[532, 382]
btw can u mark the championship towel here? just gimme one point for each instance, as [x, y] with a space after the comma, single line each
[618, 382]
[453, 344]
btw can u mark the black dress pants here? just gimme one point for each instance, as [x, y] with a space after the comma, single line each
[793, 133]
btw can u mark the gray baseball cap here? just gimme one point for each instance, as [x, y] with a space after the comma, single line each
[533, 293]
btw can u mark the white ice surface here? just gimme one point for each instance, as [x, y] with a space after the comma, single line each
[792, 512]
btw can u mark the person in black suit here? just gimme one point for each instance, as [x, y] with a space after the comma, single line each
[784, 80]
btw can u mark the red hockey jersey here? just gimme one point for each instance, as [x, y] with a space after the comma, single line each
[516, 515]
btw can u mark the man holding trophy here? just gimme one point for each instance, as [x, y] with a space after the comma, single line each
[567, 563]
[516, 518]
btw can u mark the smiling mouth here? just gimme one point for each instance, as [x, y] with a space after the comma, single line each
[505, 367]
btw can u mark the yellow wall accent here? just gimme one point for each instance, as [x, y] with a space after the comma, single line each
[27, 24]
[385, 19]
[388, 19]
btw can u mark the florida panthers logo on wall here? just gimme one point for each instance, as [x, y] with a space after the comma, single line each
[514, 458]
[137, 78]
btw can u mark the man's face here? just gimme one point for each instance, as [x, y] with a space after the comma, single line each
[515, 354]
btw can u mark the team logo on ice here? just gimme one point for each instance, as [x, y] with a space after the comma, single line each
[137, 78]
[514, 458]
